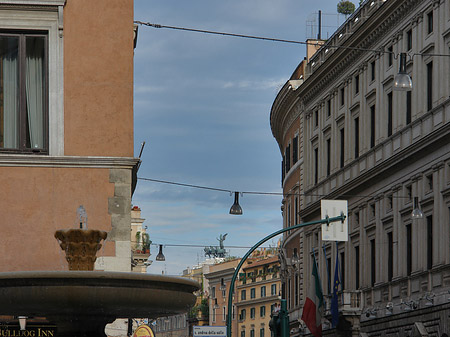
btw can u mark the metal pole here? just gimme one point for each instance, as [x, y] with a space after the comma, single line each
[270, 236]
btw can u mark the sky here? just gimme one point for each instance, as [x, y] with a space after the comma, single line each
[202, 105]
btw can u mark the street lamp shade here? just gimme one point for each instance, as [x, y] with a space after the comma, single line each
[416, 213]
[236, 208]
[402, 81]
[160, 256]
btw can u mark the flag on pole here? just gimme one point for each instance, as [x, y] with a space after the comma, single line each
[312, 310]
[334, 298]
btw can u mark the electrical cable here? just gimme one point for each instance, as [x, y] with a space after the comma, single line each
[204, 31]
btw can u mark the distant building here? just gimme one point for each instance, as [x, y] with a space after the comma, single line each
[345, 133]
[140, 243]
[181, 325]
[257, 295]
[256, 292]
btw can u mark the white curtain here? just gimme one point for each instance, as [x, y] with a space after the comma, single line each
[34, 90]
[10, 94]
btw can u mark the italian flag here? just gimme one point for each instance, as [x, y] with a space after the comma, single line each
[312, 310]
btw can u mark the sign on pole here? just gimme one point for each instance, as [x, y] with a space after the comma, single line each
[336, 231]
[210, 331]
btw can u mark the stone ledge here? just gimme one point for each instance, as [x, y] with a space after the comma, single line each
[67, 161]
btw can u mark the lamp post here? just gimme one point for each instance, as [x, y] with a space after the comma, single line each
[327, 220]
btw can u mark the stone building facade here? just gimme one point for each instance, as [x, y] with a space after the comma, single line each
[360, 140]
[66, 134]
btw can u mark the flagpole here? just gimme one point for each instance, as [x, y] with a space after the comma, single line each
[327, 220]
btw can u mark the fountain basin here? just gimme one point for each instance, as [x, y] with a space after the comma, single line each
[82, 302]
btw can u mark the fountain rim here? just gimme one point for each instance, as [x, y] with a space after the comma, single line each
[110, 277]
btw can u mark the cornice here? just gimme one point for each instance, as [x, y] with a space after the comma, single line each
[368, 34]
[10, 160]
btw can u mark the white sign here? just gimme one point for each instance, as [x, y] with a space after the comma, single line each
[334, 231]
[207, 331]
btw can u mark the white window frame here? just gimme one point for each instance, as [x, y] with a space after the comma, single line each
[49, 19]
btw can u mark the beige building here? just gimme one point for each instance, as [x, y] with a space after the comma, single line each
[360, 140]
[257, 293]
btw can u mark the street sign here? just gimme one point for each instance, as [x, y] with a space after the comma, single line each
[210, 331]
[336, 231]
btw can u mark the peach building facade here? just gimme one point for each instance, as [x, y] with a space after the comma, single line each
[66, 134]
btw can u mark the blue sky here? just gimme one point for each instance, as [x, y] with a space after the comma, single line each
[202, 105]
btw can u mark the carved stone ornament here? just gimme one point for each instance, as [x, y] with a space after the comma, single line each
[81, 246]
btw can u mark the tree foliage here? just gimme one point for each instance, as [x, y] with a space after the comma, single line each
[345, 7]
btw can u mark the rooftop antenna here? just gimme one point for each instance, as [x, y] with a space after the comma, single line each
[319, 35]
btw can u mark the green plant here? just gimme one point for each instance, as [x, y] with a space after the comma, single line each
[138, 240]
[345, 7]
[146, 242]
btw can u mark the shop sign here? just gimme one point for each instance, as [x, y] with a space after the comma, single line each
[30, 331]
[144, 331]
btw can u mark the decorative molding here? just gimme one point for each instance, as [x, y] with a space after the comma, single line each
[33, 2]
[66, 161]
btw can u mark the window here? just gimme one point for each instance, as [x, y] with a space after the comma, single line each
[342, 144]
[261, 332]
[409, 40]
[356, 84]
[342, 275]
[390, 256]
[243, 295]
[213, 292]
[252, 313]
[23, 95]
[252, 293]
[252, 333]
[356, 267]
[263, 291]
[243, 313]
[31, 120]
[328, 156]
[430, 22]
[430, 85]
[329, 275]
[288, 158]
[295, 150]
[342, 96]
[224, 314]
[273, 289]
[390, 55]
[296, 290]
[243, 333]
[262, 311]
[214, 314]
[429, 242]
[329, 108]
[316, 118]
[429, 182]
[316, 165]
[408, 107]
[389, 111]
[372, 71]
[372, 126]
[408, 250]
[372, 262]
[356, 137]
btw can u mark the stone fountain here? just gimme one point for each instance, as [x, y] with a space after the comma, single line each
[80, 302]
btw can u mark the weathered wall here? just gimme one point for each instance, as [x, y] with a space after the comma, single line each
[40, 201]
[98, 77]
